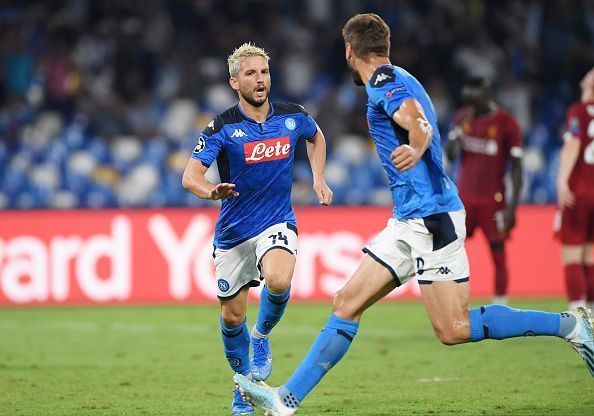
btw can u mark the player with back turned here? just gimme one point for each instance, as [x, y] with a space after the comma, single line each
[424, 239]
[487, 138]
[256, 234]
[575, 192]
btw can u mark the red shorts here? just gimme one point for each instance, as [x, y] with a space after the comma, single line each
[576, 224]
[485, 217]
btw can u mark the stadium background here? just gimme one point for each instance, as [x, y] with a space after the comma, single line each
[101, 103]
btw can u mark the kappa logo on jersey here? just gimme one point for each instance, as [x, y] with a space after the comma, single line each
[266, 150]
[381, 77]
[211, 124]
[200, 146]
[238, 133]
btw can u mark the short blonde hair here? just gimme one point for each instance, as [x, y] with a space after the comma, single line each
[244, 51]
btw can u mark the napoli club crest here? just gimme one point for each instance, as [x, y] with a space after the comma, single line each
[234, 361]
[290, 124]
[223, 285]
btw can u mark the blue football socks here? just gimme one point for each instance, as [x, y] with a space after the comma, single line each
[327, 350]
[236, 342]
[567, 324]
[501, 322]
[272, 307]
[486, 322]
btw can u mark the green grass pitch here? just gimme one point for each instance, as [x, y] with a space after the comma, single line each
[169, 361]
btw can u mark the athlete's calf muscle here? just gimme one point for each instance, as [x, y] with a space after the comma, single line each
[446, 303]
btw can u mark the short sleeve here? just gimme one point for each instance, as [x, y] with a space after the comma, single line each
[573, 123]
[309, 127]
[210, 142]
[386, 91]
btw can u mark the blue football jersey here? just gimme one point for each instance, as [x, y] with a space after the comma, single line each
[425, 189]
[258, 159]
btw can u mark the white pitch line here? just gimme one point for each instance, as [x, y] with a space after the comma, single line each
[439, 379]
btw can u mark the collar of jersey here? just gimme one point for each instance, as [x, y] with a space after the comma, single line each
[251, 119]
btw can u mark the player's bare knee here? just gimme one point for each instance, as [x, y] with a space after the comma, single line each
[449, 338]
[587, 256]
[572, 254]
[232, 319]
[452, 333]
[277, 282]
[344, 309]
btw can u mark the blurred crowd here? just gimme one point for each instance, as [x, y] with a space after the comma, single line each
[101, 101]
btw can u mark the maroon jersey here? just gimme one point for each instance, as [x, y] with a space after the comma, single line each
[487, 143]
[580, 124]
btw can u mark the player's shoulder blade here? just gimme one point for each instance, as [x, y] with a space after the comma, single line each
[383, 75]
[229, 116]
[232, 115]
[286, 107]
[214, 126]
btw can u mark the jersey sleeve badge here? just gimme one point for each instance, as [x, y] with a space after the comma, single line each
[200, 146]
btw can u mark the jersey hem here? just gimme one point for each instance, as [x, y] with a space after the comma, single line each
[409, 217]
[230, 245]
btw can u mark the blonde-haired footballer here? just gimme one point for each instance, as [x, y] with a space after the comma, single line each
[255, 239]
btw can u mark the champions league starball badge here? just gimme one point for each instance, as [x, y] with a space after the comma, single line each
[200, 146]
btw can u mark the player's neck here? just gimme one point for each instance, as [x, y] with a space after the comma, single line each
[486, 110]
[258, 114]
[587, 96]
[370, 65]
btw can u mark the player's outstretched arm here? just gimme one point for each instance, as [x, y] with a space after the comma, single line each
[195, 182]
[410, 116]
[316, 152]
[567, 158]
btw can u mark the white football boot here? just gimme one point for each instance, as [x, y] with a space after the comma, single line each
[263, 397]
[582, 337]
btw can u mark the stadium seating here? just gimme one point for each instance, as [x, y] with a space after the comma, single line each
[100, 110]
